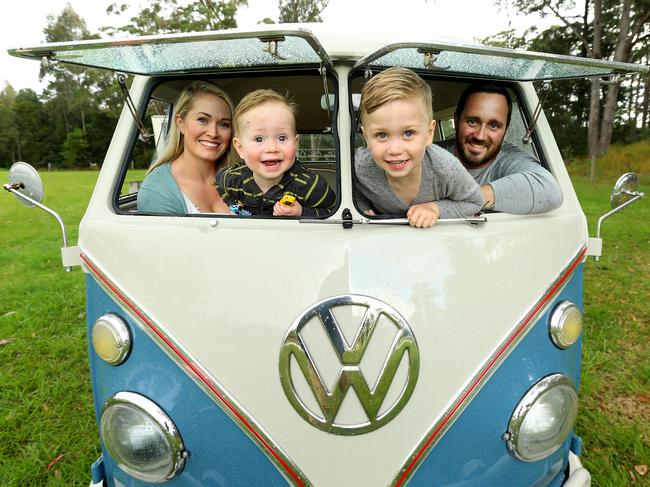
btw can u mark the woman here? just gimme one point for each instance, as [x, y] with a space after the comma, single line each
[181, 180]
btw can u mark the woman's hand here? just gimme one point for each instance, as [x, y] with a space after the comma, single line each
[424, 215]
[282, 210]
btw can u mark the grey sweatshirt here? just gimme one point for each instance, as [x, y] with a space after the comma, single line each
[444, 181]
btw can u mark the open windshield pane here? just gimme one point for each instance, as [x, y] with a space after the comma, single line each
[491, 62]
[187, 53]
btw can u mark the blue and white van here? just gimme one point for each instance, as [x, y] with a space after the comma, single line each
[339, 351]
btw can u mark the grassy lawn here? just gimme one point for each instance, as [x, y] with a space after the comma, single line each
[48, 434]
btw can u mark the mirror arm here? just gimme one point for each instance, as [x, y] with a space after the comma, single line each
[13, 188]
[637, 195]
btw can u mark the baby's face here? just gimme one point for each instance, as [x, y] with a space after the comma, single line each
[397, 135]
[267, 141]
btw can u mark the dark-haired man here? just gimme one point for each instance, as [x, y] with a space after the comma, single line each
[511, 180]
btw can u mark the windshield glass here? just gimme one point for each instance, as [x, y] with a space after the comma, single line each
[491, 62]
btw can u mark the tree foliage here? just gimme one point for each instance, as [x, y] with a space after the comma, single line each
[71, 123]
[301, 10]
[617, 30]
[168, 17]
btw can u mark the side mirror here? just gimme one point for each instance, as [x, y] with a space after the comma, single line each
[27, 187]
[625, 190]
[624, 194]
[26, 181]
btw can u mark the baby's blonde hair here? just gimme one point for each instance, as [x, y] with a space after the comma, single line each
[391, 85]
[257, 98]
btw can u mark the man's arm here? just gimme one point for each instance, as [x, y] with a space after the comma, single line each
[517, 183]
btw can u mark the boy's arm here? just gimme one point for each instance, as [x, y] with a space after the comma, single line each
[464, 197]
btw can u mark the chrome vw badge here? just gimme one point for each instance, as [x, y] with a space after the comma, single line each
[321, 405]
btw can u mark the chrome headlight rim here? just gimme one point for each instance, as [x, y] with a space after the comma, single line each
[164, 422]
[557, 321]
[120, 331]
[525, 405]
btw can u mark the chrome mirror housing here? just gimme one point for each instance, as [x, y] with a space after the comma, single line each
[25, 180]
[625, 189]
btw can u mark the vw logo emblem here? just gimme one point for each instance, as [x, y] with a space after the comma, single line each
[371, 397]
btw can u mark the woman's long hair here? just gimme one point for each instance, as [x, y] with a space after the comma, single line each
[174, 145]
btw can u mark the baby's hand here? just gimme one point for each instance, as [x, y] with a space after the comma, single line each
[282, 210]
[424, 215]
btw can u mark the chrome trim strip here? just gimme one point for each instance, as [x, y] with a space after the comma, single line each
[202, 378]
[439, 428]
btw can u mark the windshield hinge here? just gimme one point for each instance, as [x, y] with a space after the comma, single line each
[613, 79]
[51, 65]
[546, 87]
[430, 58]
[121, 80]
[272, 44]
[346, 217]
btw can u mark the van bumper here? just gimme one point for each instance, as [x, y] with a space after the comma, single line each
[578, 475]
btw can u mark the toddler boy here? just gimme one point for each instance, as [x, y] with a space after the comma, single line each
[400, 172]
[265, 138]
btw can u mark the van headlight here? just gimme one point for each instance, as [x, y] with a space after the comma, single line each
[543, 418]
[141, 438]
[565, 324]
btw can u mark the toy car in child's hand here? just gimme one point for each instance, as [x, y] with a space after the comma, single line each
[287, 200]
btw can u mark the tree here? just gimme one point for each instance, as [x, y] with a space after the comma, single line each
[301, 10]
[167, 17]
[9, 147]
[68, 85]
[75, 149]
[613, 29]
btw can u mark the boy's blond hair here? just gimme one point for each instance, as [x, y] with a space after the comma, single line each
[257, 98]
[391, 85]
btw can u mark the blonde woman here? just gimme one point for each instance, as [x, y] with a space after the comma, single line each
[181, 181]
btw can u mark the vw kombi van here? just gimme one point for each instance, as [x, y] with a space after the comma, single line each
[345, 350]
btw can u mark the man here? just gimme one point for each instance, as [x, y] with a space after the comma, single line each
[511, 180]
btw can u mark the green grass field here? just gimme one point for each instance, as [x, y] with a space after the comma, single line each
[48, 434]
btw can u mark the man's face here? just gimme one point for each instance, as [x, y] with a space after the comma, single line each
[480, 129]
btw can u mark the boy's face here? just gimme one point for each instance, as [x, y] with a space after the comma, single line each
[267, 142]
[397, 135]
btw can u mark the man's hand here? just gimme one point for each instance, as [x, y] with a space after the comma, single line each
[281, 210]
[424, 215]
[488, 197]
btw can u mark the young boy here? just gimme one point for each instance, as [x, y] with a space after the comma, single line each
[270, 181]
[400, 172]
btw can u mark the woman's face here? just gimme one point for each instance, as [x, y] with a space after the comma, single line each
[206, 128]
